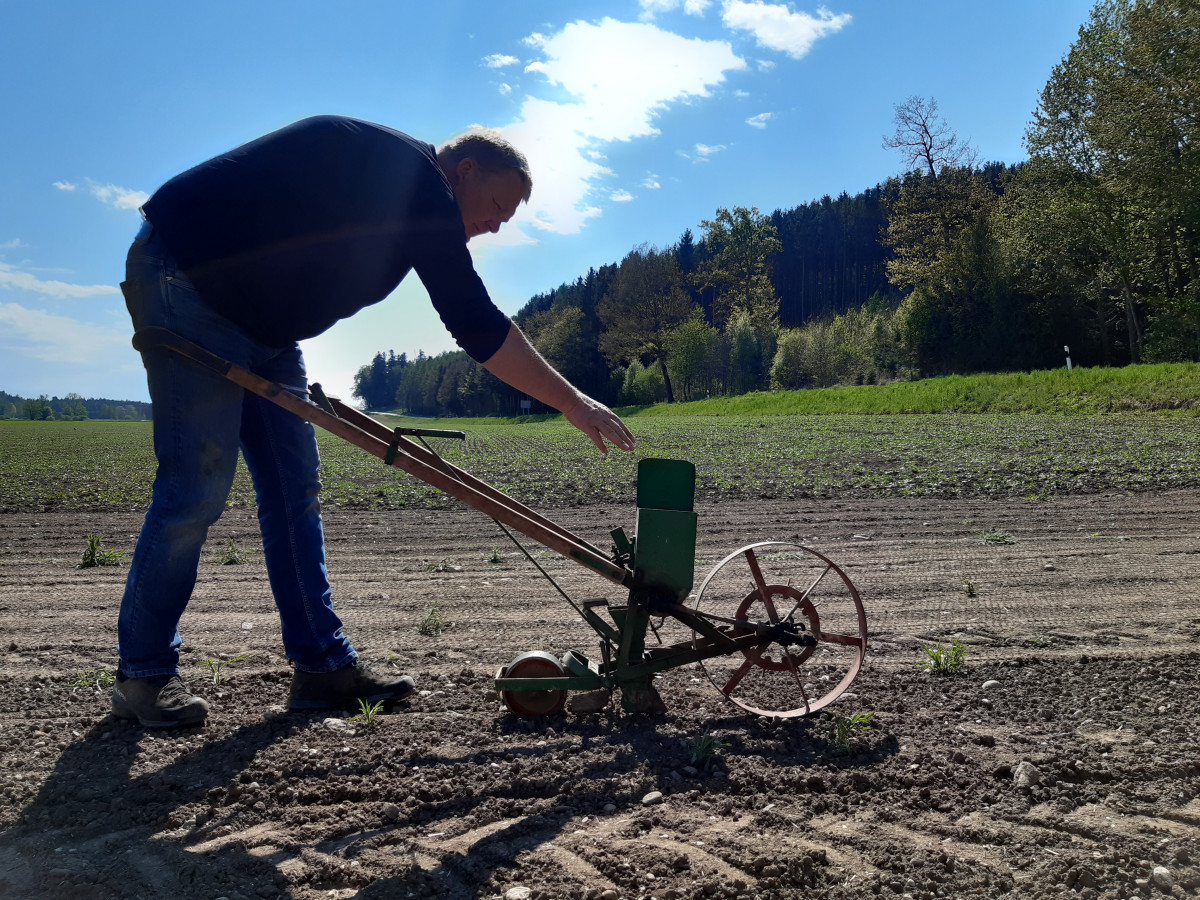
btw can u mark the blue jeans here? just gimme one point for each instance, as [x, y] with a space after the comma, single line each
[200, 421]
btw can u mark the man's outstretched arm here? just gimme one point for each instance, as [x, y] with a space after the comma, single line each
[517, 363]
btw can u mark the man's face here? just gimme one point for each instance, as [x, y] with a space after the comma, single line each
[486, 199]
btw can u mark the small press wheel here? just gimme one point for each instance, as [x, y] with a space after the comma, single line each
[534, 704]
[809, 603]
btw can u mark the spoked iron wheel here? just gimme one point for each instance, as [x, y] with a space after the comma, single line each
[817, 620]
[534, 704]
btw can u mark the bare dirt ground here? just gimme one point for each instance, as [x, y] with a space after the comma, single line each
[1088, 621]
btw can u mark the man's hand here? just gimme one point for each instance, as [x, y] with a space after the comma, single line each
[598, 422]
[519, 364]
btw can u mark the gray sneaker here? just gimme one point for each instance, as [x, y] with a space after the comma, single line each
[160, 701]
[344, 687]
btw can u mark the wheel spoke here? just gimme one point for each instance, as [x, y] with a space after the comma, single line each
[752, 656]
[791, 664]
[812, 587]
[763, 591]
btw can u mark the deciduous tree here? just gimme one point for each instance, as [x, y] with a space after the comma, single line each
[646, 301]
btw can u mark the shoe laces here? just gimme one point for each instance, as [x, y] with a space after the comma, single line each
[174, 690]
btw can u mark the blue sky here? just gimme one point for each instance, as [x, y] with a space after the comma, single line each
[640, 119]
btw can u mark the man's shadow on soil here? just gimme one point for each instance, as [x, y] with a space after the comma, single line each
[92, 800]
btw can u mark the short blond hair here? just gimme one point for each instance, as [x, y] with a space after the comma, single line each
[491, 151]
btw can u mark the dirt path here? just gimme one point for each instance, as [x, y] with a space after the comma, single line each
[1086, 611]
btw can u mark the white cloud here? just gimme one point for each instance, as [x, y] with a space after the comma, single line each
[705, 151]
[760, 121]
[23, 281]
[651, 183]
[508, 236]
[765, 65]
[537, 39]
[621, 196]
[776, 27]
[121, 198]
[621, 76]
[652, 8]
[14, 244]
[44, 336]
[505, 88]
[65, 185]
[499, 61]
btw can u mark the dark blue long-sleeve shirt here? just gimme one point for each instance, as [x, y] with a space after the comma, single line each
[302, 227]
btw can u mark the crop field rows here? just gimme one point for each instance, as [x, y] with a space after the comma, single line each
[1080, 609]
[1058, 577]
[96, 465]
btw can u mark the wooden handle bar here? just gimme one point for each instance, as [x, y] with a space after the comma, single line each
[381, 431]
[408, 458]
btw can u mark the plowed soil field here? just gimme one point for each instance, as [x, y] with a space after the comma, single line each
[1062, 760]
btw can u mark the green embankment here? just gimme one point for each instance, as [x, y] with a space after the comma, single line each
[1168, 387]
[1165, 388]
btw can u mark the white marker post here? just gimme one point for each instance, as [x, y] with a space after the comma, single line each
[1067, 350]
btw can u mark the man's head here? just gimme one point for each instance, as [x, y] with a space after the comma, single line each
[490, 178]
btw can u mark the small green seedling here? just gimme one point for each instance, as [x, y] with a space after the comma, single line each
[443, 565]
[233, 554]
[495, 558]
[944, 660]
[368, 713]
[217, 667]
[997, 536]
[97, 679]
[703, 748]
[95, 556]
[847, 728]
[969, 587]
[433, 622]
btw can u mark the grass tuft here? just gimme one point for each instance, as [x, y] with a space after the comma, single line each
[997, 536]
[368, 714]
[944, 660]
[703, 748]
[217, 666]
[233, 555]
[846, 729]
[95, 555]
[96, 679]
[433, 622]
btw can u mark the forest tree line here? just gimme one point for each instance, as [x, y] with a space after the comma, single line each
[953, 266]
[71, 408]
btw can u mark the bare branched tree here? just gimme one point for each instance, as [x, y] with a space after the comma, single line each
[925, 139]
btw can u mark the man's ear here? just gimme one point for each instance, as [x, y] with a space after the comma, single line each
[465, 168]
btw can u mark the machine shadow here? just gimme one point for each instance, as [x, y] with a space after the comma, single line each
[465, 871]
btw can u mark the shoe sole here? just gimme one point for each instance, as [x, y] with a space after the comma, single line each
[121, 712]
